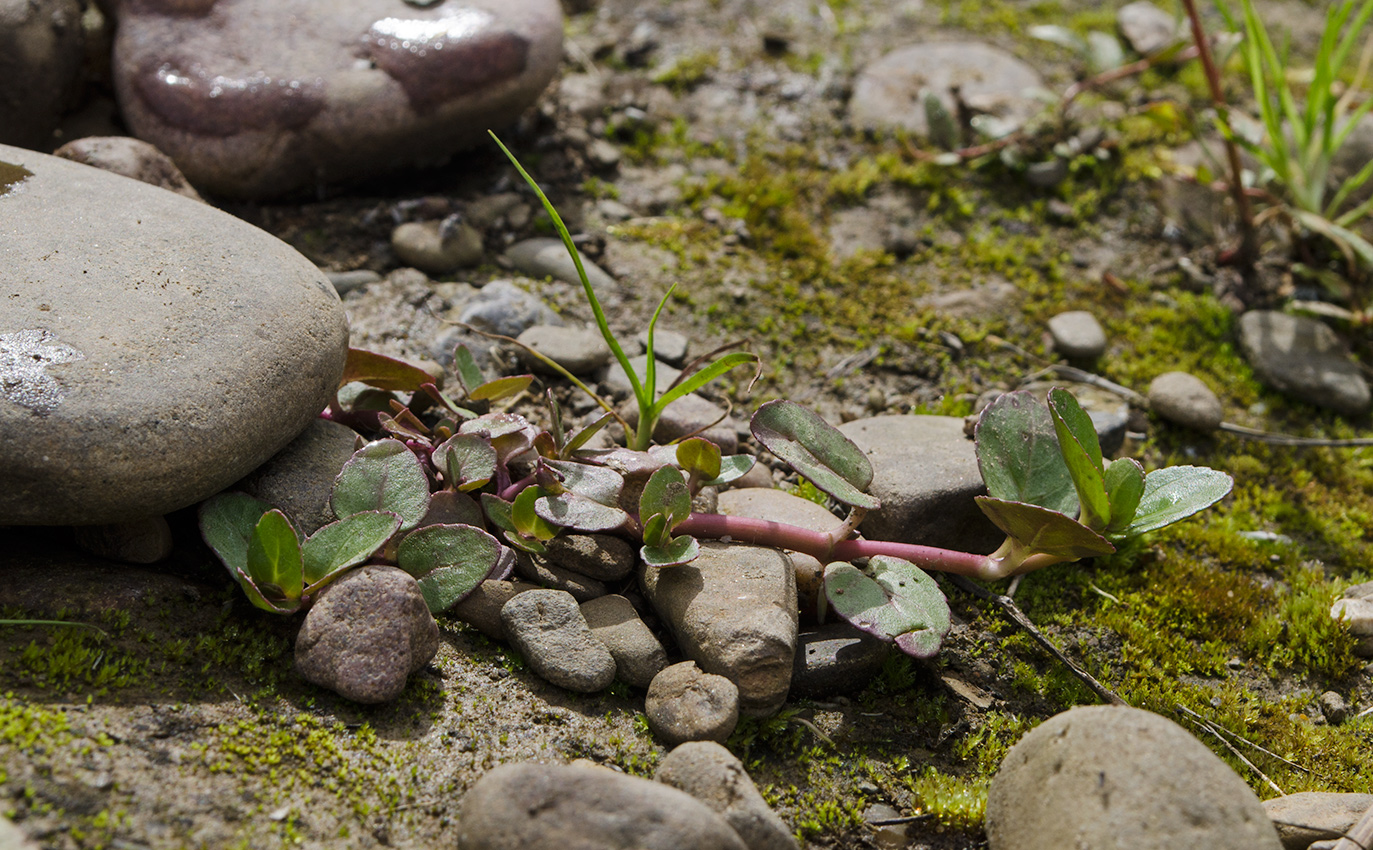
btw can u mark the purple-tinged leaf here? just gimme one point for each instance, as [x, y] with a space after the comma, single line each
[448, 561]
[382, 372]
[227, 522]
[817, 450]
[893, 600]
[345, 543]
[1017, 452]
[468, 461]
[570, 510]
[675, 552]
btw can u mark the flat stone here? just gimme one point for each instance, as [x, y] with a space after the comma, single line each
[603, 557]
[299, 479]
[1182, 398]
[1078, 335]
[130, 158]
[889, 94]
[550, 632]
[254, 98]
[436, 247]
[532, 806]
[925, 473]
[537, 570]
[1303, 358]
[366, 633]
[638, 654]
[1148, 28]
[153, 350]
[41, 52]
[547, 257]
[711, 774]
[685, 704]
[580, 351]
[733, 612]
[1113, 776]
[668, 346]
[835, 659]
[1313, 815]
[774, 505]
[482, 607]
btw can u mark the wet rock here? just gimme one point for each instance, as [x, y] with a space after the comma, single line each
[685, 704]
[1148, 28]
[889, 94]
[550, 632]
[537, 570]
[1303, 358]
[733, 612]
[546, 257]
[253, 98]
[925, 473]
[1114, 776]
[366, 633]
[299, 479]
[1184, 400]
[437, 247]
[778, 506]
[638, 654]
[130, 158]
[711, 774]
[668, 346]
[580, 351]
[836, 658]
[140, 541]
[603, 557]
[145, 323]
[1313, 815]
[1078, 335]
[41, 47]
[503, 308]
[574, 807]
[482, 607]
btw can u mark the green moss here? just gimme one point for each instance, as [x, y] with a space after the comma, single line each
[688, 71]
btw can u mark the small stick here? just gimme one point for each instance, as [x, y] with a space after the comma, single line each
[1285, 440]
[1007, 605]
[1206, 724]
[1245, 741]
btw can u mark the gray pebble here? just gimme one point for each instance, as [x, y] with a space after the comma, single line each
[1078, 335]
[130, 158]
[1312, 815]
[686, 704]
[603, 557]
[638, 654]
[482, 607]
[1183, 399]
[546, 257]
[435, 247]
[534, 568]
[549, 630]
[346, 282]
[1333, 708]
[711, 774]
[580, 351]
[668, 346]
[503, 308]
[1148, 28]
[1303, 358]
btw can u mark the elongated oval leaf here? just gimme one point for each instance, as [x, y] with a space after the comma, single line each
[666, 495]
[382, 372]
[677, 551]
[1041, 530]
[817, 450]
[467, 461]
[227, 522]
[1124, 487]
[1077, 440]
[382, 476]
[501, 388]
[705, 375]
[699, 457]
[465, 366]
[655, 530]
[448, 561]
[597, 483]
[274, 561]
[346, 543]
[893, 600]
[1177, 492]
[571, 510]
[732, 468]
[1017, 452]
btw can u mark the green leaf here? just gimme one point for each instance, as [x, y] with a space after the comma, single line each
[383, 476]
[274, 561]
[526, 518]
[732, 468]
[346, 543]
[1062, 36]
[583, 436]
[382, 372]
[655, 530]
[705, 375]
[677, 551]
[227, 522]
[448, 561]
[571, 510]
[1017, 451]
[1175, 493]
[817, 450]
[943, 130]
[1042, 530]
[893, 600]
[597, 483]
[699, 457]
[467, 461]
[501, 388]
[466, 368]
[666, 494]
[1346, 240]
[1077, 441]
[498, 513]
[449, 508]
[1124, 486]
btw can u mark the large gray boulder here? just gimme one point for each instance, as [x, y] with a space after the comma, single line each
[1120, 777]
[153, 349]
[253, 98]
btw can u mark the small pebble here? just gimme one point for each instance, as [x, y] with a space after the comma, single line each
[685, 704]
[437, 247]
[639, 657]
[346, 282]
[1184, 400]
[548, 629]
[603, 557]
[668, 346]
[482, 607]
[534, 568]
[580, 351]
[1077, 335]
[711, 774]
[545, 257]
[1333, 707]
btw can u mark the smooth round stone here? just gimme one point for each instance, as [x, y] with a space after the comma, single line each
[547, 257]
[153, 350]
[131, 158]
[436, 248]
[580, 351]
[1148, 28]
[711, 774]
[685, 704]
[1120, 777]
[890, 93]
[548, 629]
[1183, 399]
[254, 98]
[1078, 335]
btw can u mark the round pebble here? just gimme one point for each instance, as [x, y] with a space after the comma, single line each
[1078, 335]
[548, 629]
[1183, 399]
[685, 704]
